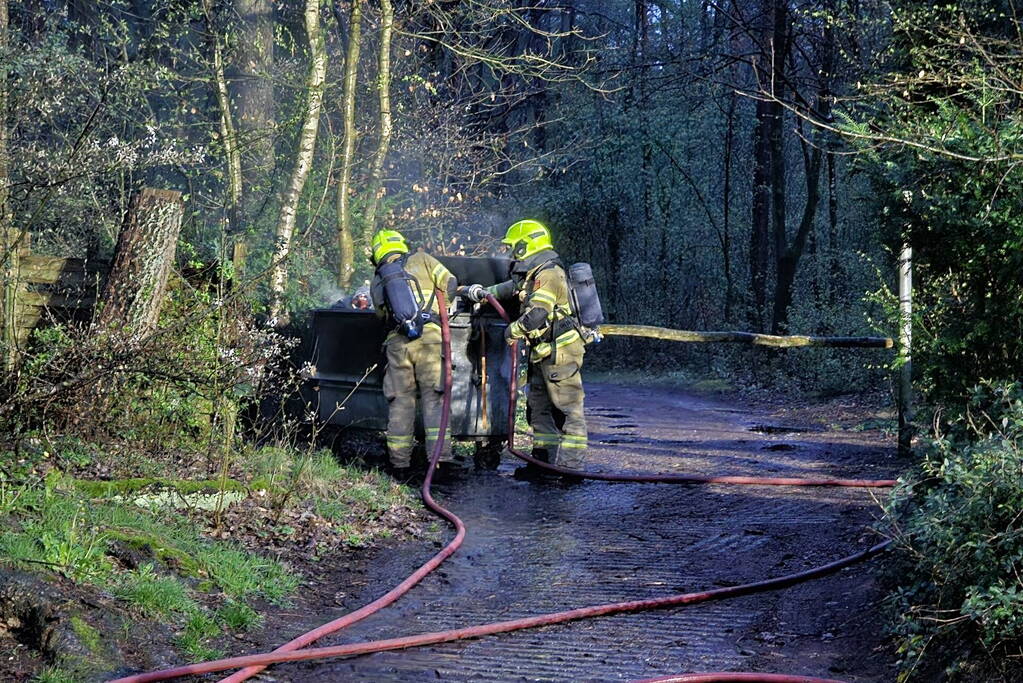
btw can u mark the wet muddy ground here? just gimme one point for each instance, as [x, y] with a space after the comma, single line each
[537, 548]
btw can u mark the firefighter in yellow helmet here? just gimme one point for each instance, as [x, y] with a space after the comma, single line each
[556, 347]
[404, 291]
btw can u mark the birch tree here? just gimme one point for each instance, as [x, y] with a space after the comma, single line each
[303, 160]
[375, 188]
[345, 238]
[228, 132]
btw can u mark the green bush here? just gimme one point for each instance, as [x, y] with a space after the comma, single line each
[958, 522]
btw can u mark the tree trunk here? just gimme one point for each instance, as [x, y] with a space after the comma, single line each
[726, 206]
[8, 240]
[376, 175]
[345, 239]
[827, 74]
[759, 250]
[776, 142]
[134, 291]
[254, 105]
[228, 134]
[789, 254]
[788, 261]
[303, 160]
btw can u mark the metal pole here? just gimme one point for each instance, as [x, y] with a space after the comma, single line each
[905, 350]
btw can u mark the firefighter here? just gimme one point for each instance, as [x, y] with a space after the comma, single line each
[404, 291]
[556, 347]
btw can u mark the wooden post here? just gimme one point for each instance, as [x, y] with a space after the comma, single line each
[905, 350]
[143, 258]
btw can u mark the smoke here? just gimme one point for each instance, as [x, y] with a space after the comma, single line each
[328, 292]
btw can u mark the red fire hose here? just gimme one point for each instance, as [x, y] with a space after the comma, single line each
[506, 626]
[735, 676]
[295, 649]
[434, 562]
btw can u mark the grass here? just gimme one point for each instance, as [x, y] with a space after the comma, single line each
[238, 616]
[59, 535]
[55, 674]
[705, 385]
[193, 641]
[241, 574]
[340, 492]
[201, 586]
[332, 510]
[153, 595]
[60, 529]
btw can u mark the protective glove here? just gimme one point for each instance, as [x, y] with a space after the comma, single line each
[511, 334]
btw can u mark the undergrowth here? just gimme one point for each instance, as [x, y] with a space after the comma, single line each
[957, 522]
[94, 533]
[173, 470]
[51, 525]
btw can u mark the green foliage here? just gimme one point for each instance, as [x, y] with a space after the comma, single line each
[241, 574]
[953, 191]
[332, 510]
[60, 535]
[956, 521]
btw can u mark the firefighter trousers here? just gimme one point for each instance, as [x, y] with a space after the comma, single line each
[555, 406]
[414, 364]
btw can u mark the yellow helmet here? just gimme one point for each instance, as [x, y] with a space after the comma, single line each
[387, 242]
[527, 237]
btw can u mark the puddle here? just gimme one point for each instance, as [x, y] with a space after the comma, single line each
[779, 447]
[776, 429]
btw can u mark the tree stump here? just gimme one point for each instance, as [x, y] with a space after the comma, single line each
[143, 258]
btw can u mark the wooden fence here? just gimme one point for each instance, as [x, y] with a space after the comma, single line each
[42, 290]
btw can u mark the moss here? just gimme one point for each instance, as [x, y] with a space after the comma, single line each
[88, 635]
[171, 556]
[82, 654]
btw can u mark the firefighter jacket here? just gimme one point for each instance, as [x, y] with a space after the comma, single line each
[429, 275]
[546, 322]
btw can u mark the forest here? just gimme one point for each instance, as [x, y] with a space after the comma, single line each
[183, 183]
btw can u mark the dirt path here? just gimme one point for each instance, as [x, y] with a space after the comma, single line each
[539, 548]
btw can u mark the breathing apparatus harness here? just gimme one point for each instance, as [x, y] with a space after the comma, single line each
[583, 314]
[403, 296]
